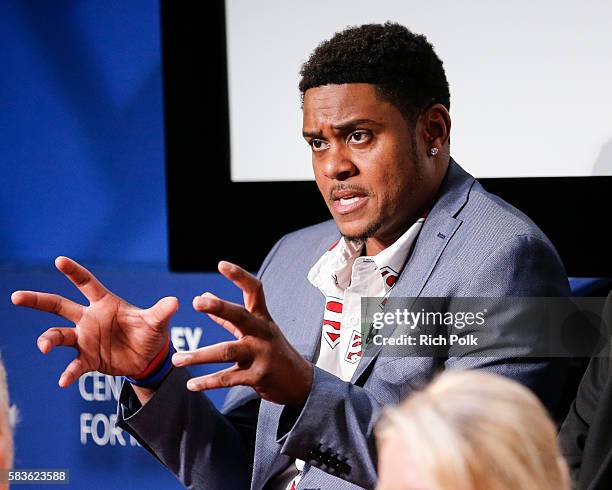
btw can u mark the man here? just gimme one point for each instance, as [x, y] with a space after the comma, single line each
[408, 221]
[585, 436]
[6, 433]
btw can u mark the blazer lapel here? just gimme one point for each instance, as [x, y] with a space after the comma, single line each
[307, 314]
[438, 229]
[414, 276]
[298, 307]
[301, 318]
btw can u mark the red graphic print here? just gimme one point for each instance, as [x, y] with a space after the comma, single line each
[353, 352]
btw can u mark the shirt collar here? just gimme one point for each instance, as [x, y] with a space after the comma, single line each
[337, 263]
[396, 254]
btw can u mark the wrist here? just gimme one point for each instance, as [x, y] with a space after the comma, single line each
[155, 363]
[304, 386]
[157, 370]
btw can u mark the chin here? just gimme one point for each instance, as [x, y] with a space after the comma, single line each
[358, 230]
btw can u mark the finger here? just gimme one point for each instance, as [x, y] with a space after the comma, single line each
[52, 303]
[254, 299]
[161, 312]
[233, 351]
[73, 371]
[225, 378]
[229, 326]
[56, 336]
[87, 283]
[237, 315]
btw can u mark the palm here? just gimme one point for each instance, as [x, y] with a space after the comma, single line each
[114, 338]
[111, 335]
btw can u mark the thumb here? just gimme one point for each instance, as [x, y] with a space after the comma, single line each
[161, 311]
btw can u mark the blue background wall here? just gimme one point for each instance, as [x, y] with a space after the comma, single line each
[81, 142]
[82, 165]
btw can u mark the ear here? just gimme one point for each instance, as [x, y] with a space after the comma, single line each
[436, 125]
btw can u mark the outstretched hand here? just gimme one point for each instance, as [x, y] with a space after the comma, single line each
[110, 335]
[263, 357]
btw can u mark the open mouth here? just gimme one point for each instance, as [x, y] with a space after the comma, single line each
[345, 202]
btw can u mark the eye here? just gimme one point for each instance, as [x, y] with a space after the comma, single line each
[359, 137]
[317, 144]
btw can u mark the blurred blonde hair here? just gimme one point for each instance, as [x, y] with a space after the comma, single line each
[478, 431]
[7, 419]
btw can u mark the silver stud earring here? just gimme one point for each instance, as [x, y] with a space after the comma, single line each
[433, 152]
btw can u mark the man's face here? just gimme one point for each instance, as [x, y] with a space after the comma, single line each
[364, 156]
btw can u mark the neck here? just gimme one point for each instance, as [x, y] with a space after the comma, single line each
[378, 243]
[374, 245]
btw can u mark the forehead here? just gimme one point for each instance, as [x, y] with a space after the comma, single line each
[335, 103]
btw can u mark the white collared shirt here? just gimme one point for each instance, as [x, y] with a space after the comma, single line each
[344, 276]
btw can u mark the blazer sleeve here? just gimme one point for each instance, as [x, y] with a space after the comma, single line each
[202, 446]
[583, 411]
[575, 429]
[334, 431]
[187, 434]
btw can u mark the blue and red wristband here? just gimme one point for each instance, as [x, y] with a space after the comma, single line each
[157, 369]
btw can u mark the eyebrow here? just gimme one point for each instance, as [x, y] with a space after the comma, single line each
[342, 127]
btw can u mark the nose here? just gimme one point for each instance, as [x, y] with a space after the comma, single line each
[338, 165]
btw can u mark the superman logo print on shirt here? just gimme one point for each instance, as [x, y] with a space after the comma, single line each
[332, 318]
[389, 275]
[353, 351]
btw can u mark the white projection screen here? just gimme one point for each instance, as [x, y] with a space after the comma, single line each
[530, 82]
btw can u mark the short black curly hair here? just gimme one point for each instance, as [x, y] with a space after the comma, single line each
[401, 64]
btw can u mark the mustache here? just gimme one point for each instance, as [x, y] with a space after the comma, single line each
[347, 187]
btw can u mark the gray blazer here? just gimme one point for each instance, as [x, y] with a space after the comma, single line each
[471, 244]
